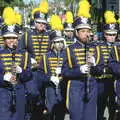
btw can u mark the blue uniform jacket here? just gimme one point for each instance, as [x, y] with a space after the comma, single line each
[49, 62]
[5, 56]
[72, 71]
[6, 88]
[36, 43]
[114, 61]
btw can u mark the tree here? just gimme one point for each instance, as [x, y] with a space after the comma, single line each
[11, 3]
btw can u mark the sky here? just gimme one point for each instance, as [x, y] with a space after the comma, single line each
[36, 1]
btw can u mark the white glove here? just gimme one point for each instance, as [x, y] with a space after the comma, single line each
[92, 60]
[85, 69]
[7, 76]
[33, 61]
[55, 80]
[58, 70]
[18, 69]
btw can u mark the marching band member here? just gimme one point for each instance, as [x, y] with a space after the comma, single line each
[106, 93]
[15, 71]
[82, 64]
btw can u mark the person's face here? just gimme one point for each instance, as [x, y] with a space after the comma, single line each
[58, 45]
[69, 33]
[83, 35]
[95, 37]
[11, 42]
[110, 37]
[40, 26]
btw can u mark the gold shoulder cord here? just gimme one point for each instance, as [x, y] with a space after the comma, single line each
[116, 53]
[98, 54]
[26, 40]
[45, 64]
[26, 60]
[69, 58]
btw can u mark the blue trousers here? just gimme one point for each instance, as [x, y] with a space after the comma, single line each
[55, 103]
[105, 98]
[117, 90]
[78, 108]
[5, 104]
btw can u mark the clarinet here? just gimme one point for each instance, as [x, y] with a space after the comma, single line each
[13, 107]
[87, 81]
[57, 75]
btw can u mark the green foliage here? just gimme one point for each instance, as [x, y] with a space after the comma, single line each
[11, 3]
[18, 3]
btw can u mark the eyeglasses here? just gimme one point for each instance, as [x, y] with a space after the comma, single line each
[69, 31]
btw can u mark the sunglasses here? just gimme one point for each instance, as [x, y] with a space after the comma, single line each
[10, 37]
[110, 34]
[58, 41]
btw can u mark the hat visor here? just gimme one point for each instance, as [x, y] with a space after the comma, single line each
[58, 39]
[10, 35]
[69, 29]
[83, 26]
[111, 31]
[41, 21]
